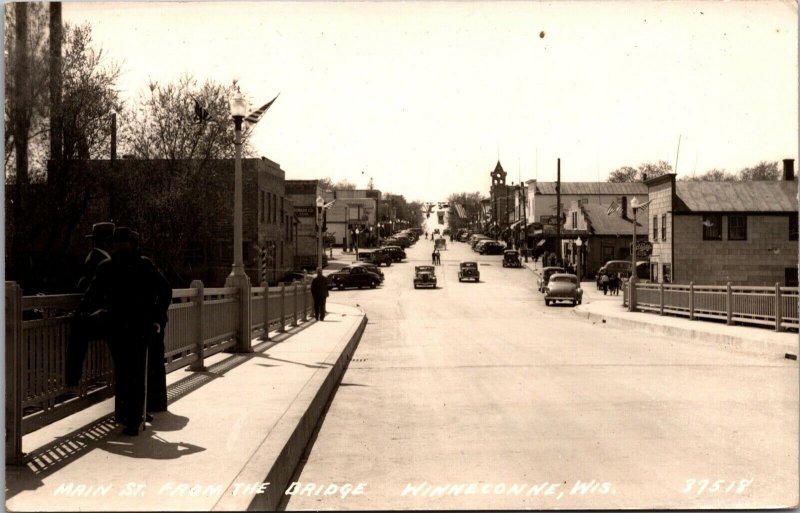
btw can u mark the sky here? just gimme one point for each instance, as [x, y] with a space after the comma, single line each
[424, 97]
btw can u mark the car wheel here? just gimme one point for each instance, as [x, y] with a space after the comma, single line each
[580, 301]
[373, 285]
[341, 286]
[415, 286]
[546, 302]
[574, 303]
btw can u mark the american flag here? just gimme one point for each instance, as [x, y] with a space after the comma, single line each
[256, 115]
[614, 207]
[460, 211]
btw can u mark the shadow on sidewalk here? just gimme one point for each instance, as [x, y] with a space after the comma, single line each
[150, 446]
[264, 355]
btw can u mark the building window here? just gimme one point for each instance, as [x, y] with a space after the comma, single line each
[667, 273]
[663, 226]
[261, 205]
[283, 213]
[269, 205]
[790, 277]
[737, 227]
[655, 228]
[793, 227]
[712, 227]
[574, 220]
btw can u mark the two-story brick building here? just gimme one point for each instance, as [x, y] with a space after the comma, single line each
[711, 233]
[304, 194]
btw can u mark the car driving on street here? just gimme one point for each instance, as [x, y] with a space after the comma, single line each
[547, 272]
[563, 287]
[424, 276]
[354, 276]
[468, 271]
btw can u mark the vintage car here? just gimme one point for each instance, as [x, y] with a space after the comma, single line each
[399, 240]
[424, 276]
[468, 271]
[492, 248]
[440, 244]
[395, 252]
[563, 287]
[511, 258]
[369, 267]
[353, 276]
[546, 273]
[375, 256]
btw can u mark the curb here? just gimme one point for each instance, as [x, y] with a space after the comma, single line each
[732, 342]
[275, 460]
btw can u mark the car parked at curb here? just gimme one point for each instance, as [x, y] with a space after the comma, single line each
[511, 258]
[424, 276]
[563, 287]
[396, 253]
[354, 276]
[492, 248]
[375, 256]
[469, 271]
[547, 272]
[370, 267]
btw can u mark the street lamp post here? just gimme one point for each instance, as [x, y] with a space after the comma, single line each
[320, 205]
[579, 243]
[632, 279]
[238, 278]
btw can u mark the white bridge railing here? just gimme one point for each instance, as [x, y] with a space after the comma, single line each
[775, 307]
[202, 322]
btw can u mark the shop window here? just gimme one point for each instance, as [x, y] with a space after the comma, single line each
[712, 227]
[737, 227]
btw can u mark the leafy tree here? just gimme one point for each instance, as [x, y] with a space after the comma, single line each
[712, 175]
[471, 203]
[762, 171]
[638, 174]
[395, 206]
[165, 123]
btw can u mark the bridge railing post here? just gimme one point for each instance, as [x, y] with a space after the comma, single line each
[14, 373]
[729, 303]
[197, 330]
[265, 336]
[295, 315]
[691, 300]
[282, 327]
[778, 307]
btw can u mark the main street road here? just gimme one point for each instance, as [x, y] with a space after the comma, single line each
[508, 404]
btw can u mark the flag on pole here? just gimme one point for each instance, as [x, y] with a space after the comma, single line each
[614, 207]
[643, 206]
[256, 115]
[460, 211]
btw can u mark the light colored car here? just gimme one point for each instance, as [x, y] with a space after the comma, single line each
[563, 287]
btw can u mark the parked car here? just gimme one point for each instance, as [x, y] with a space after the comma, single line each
[546, 273]
[375, 256]
[511, 258]
[492, 248]
[353, 276]
[395, 252]
[424, 276]
[563, 287]
[399, 240]
[468, 271]
[370, 267]
[294, 276]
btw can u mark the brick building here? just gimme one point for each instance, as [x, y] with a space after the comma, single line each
[304, 194]
[711, 233]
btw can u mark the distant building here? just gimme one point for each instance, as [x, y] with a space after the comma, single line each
[304, 194]
[711, 233]
[354, 216]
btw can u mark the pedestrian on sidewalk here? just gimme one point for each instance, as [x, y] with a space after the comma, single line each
[85, 328]
[604, 283]
[319, 291]
[156, 372]
[127, 289]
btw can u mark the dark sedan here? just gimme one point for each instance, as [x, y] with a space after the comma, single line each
[355, 276]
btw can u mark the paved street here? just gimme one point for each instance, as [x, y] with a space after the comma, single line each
[480, 388]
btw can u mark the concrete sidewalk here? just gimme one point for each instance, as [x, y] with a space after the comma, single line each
[600, 308]
[244, 422]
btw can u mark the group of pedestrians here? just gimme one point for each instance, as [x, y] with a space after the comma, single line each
[610, 284]
[436, 257]
[125, 301]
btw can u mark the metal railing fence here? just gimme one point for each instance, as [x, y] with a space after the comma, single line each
[775, 307]
[202, 322]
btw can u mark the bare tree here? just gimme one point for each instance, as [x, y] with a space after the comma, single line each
[645, 170]
[712, 175]
[762, 171]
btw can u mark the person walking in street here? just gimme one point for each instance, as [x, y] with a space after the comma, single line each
[319, 292]
[129, 291]
[613, 283]
[438, 257]
[604, 283]
[433, 257]
[83, 327]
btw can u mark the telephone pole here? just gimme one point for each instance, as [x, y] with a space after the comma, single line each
[558, 213]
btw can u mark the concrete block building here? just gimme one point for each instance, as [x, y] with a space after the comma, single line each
[304, 194]
[353, 210]
[711, 233]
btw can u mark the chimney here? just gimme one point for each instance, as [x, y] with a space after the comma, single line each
[644, 177]
[788, 170]
[624, 210]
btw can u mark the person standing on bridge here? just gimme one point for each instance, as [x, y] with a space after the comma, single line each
[85, 328]
[319, 292]
[129, 290]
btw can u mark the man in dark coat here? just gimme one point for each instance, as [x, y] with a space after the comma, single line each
[156, 372]
[319, 291]
[85, 328]
[129, 290]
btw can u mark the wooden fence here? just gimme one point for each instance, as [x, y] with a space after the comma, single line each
[202, 322]
[775, 307]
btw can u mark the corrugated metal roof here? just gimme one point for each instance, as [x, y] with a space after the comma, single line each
[600, 223]
[591, 188]
[755, 196]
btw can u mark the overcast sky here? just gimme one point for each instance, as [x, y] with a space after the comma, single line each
[423, 96]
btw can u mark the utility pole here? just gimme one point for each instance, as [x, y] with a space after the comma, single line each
[558, 212]
[524, 199]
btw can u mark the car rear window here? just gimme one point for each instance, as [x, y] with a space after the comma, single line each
[565, 279]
